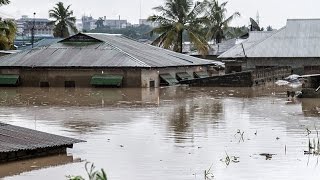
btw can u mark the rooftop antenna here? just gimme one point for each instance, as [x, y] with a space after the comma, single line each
[140, 7]
[32, 29]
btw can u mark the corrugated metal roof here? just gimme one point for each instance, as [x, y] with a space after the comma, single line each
[114, 51]
[216, 49]
[299, 38]
[41, 43]
[224, 46]
[254, 38]
[14, 138]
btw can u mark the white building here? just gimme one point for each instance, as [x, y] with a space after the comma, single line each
[41, 27]
[148, 23]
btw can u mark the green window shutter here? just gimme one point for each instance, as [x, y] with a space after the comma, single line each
[106, 80]
[8, 79]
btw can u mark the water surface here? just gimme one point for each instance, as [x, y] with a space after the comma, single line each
[167, 133]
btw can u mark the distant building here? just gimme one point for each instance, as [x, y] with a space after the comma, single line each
[88, 23]
[115, 23]
[148, 23]
[41, 27]
[296, 45]
[79, 24]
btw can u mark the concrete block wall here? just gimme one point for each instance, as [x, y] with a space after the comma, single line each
[81, 77]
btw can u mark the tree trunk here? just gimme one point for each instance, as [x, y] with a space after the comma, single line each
[180, 41]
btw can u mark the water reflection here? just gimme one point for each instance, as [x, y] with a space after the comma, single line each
[16, 168]
[311, 107]
[196, 112]
[77, 97]
[172, 133]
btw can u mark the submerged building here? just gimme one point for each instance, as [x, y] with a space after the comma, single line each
[296, 45]
[86, 60]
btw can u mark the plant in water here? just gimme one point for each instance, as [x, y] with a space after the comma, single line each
[314, 144]
[208, 174]
[92, 174]
[228, 159]
[241, 135]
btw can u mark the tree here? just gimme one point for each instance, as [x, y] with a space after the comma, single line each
[99, 23]
[177, 17]
[217, 22]
[7, 31]
[269, 28]
[4, 2]
[64, 21]
[7, 34]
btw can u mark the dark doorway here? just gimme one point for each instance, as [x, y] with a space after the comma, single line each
[44, 84]
[152, 84]
[70, 84]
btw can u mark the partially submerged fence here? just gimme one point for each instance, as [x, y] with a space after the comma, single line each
[250, 78]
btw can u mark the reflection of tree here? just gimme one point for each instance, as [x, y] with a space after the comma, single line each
[311, 107]
[194, 115]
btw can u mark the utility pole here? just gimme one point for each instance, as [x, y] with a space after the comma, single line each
[258, 18]
[32, 29]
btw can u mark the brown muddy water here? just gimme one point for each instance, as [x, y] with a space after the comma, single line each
[167, 133]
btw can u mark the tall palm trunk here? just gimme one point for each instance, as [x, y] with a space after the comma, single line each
[180, 33]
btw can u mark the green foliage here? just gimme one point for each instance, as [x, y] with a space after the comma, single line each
[269, 28]
[177, 17]
[7, 31]
[216, 21]
[4, 2]
[92, 174]
[7, 34]
[99, 23]
[235, 32]
[64, 20]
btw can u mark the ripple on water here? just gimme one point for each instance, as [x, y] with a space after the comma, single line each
[172, 133]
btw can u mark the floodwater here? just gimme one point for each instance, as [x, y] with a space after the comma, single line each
[167, 133]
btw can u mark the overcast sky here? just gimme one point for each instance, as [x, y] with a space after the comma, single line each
[272, 12]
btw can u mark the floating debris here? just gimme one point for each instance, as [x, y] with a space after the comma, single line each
[267, 155]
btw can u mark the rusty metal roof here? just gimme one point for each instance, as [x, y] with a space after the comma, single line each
[14, 138]
[104, 50]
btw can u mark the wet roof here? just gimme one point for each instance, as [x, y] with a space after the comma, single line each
[254, 37]
[42, 43]
[100, 50]
[14, 138]
[299, 38]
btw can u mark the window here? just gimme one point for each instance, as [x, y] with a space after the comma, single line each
[44, 84]
[69, 84]
[152, 84]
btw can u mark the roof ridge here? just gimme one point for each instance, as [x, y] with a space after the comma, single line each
[127, 54]
[262, 40]
[233, 47]
[121, 51]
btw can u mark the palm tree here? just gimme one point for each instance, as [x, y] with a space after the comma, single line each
[4, 2]
[7, 34]
[99, 23]
[216, 20]
[63, 20]
[177, 17]
[7, 31]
